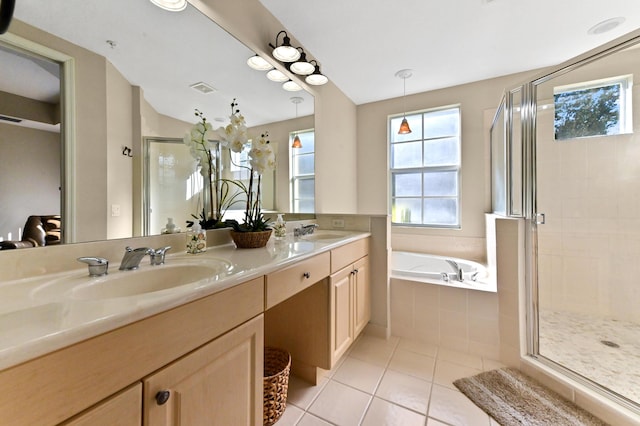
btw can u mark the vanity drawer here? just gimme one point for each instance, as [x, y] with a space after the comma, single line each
[349, 253]
[286, 282]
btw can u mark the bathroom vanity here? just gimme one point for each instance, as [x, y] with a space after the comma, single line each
[182, 353]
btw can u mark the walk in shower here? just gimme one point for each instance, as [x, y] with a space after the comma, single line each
[566, 158]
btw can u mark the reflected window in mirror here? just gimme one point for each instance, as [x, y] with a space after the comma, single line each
[593, 108]
[302, 173]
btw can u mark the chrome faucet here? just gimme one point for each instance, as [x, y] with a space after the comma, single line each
[459, 275]
[132, 258]
[98, 266]
[157, 255]
[305, 230]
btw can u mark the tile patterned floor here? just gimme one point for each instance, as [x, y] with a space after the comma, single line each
[575, 341]
[390, 382]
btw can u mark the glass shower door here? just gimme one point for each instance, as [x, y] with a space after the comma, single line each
[587, 235]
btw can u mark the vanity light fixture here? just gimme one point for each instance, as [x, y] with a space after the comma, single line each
[296, 139]
[291, 86]
[302, 66]
[277, 76]
[404, 125]
[258, 63]
[285, 52]
[316, 78]
[171, 5]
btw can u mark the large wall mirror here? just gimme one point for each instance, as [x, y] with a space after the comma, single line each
[90, 80]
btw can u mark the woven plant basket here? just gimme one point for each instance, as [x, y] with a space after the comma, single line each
[250, 239]
[277, 363]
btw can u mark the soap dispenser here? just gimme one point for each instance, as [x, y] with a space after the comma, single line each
[196, 239]
[170, 227]
[280, 228]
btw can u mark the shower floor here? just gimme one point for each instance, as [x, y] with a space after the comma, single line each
[576, 342]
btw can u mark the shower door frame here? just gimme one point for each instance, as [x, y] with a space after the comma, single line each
[528, 113]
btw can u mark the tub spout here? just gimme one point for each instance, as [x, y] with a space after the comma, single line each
[459, 276]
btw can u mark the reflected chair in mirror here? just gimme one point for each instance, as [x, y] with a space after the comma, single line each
[38, 231]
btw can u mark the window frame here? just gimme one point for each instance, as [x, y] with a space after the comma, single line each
[625, 100]
[425, 169]
[295, 178]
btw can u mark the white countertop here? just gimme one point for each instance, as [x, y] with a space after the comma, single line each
[36, 319]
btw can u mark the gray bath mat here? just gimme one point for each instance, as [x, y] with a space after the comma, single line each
[512, 398]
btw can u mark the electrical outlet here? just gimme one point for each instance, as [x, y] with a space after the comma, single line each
[115, 210]
[337, 223]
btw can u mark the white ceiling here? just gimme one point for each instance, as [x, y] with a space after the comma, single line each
[164, 53]
[445, 43]
[361, 44]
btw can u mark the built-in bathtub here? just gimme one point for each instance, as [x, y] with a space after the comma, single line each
[441, 270]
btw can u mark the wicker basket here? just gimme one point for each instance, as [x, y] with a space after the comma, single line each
[277, 363]
[250, 239]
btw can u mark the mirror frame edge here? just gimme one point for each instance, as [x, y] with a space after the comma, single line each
[67, 126]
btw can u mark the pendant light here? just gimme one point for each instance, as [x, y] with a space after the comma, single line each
[296, 139]
[404, 126]
[302, 66]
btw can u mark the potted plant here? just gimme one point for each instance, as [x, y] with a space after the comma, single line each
[219, 193]
[254, 231]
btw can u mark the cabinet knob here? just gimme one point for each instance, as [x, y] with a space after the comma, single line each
[355, 271]
[306, 275]
[162, 397]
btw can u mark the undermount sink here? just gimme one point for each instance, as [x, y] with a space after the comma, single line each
[324, 235]
[132, 283]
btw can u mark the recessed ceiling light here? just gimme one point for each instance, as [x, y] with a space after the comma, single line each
[171, 5]
[203, 88]
[605, 26]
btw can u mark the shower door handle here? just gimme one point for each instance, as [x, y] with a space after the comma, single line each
[539, 218]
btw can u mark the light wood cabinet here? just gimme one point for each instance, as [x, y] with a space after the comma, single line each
[53, 388]
[350, 305]
[318, 324]
[218, 384]
[122, 409]
[289, 281]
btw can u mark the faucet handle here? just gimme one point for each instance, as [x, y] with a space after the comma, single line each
[157, 255]
[98, 266]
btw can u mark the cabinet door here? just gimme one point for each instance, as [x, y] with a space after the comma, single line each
[218, 384]
[341, 313]
[123, 409]
[362, 295]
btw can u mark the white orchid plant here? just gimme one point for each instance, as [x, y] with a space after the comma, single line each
[201, 146]
[262, 158]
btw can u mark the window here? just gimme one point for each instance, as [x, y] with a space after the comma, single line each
[425, 169]
[595, 108]
[303, 172]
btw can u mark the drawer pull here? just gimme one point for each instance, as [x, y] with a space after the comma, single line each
[306, 275]
[162, 397]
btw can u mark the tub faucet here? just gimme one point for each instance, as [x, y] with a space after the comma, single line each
[305, 230]
[459, 275]
[132, 257]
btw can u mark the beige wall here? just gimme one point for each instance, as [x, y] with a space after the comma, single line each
[30, 186]
[372, 164]
[335, 114]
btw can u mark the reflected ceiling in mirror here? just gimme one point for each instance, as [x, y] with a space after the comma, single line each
[165, 53]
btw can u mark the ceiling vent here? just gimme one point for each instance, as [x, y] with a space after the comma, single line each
[203, 88]
[11, 119]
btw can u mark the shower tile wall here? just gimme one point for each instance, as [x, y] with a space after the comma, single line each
[590, 244]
